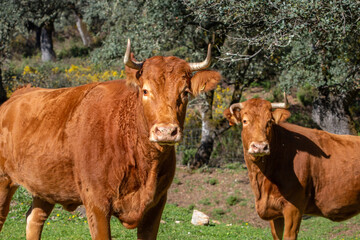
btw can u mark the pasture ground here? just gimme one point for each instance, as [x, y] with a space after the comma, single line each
[224, 194]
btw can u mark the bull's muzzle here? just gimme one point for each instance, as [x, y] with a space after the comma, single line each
[165, 134]
[259, 149]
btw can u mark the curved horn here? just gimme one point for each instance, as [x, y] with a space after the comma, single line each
[239, 105]
[204, 64]
[127, 60]
[285, 104]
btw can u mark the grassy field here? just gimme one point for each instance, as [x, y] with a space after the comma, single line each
[176, 225]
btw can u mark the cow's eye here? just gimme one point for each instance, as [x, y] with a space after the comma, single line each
[146, 92]
[185, 93]
[245, 122]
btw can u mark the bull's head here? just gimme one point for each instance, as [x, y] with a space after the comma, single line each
[257, 119]
[164, 84]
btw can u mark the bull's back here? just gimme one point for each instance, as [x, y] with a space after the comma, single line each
[34, 150]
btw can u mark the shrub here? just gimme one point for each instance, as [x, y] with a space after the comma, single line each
[205, 202]
[232, 200]
[213, 181]
[218, 211]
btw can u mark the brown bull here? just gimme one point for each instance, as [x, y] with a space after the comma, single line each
[108, 146]
[295, 170]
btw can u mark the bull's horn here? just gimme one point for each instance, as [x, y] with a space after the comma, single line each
[202, 65]
[127, 60]
[238, 105]
[285, 104]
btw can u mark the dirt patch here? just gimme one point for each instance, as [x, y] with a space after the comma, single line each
[223, 194]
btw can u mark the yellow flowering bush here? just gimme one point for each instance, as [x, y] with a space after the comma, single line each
[49, 76]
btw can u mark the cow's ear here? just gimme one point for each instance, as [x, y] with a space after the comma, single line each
[132, 75]
[280, 115]
[232, 118]
[204, 81]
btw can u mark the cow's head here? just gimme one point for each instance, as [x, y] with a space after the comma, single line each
[257, 118]
[165, 84]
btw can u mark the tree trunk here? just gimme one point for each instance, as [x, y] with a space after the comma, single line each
[203, 153]
[3, 96]
[47, 51]
[32, 27]
[84, 34]
[330, 113]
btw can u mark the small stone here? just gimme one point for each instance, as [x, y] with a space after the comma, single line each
[199, 218]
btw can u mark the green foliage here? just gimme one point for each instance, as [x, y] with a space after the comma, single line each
[218, 212]
[306, 94]
[232, 200]
[188, 155]
[212, 181]
[205, 202]
[74, 51]
[191, 207]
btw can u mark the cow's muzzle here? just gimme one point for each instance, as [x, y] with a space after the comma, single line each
[165, 134]
[259, 149]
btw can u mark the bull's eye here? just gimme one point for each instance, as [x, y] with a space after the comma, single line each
[146, 92]
[244, 121]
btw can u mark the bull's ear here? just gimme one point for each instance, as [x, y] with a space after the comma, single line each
[132, 75]
[280, 115]
[233, 119]
[204, 81]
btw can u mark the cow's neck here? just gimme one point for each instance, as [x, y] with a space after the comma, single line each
[148, 174]
[262, 170]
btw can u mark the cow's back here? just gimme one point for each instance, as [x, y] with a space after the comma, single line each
[329, 166]
[34, 147]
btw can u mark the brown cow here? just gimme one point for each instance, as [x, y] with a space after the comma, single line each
[109, 146]
[295, 170]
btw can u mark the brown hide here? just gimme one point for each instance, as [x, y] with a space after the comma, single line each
[92, 145]
[307, 171]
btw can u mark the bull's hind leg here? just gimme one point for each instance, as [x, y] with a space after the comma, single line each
[36, 217]
[7, 190]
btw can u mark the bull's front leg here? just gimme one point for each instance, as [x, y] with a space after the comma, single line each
[292, 218]
[36, 217]
[99, 222]
[149, 225]
[277, 228]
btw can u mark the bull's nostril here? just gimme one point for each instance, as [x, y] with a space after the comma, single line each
[174, 132]
[266, 147]
[157, 131]
[253, 146]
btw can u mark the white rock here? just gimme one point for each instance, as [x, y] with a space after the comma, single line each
[199, 218]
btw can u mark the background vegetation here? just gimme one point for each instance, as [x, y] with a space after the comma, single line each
[310, 49]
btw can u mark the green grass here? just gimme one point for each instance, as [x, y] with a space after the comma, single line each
[65, 225]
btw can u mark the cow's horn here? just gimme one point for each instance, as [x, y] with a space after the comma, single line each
[238, 105]
[202, 65]
[285, 104]
[127, 60]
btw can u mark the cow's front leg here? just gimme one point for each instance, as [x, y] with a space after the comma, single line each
[292, 218]
[36, 217]
[99, 222]
[277, 228]
[7, 190]
[149, 225]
